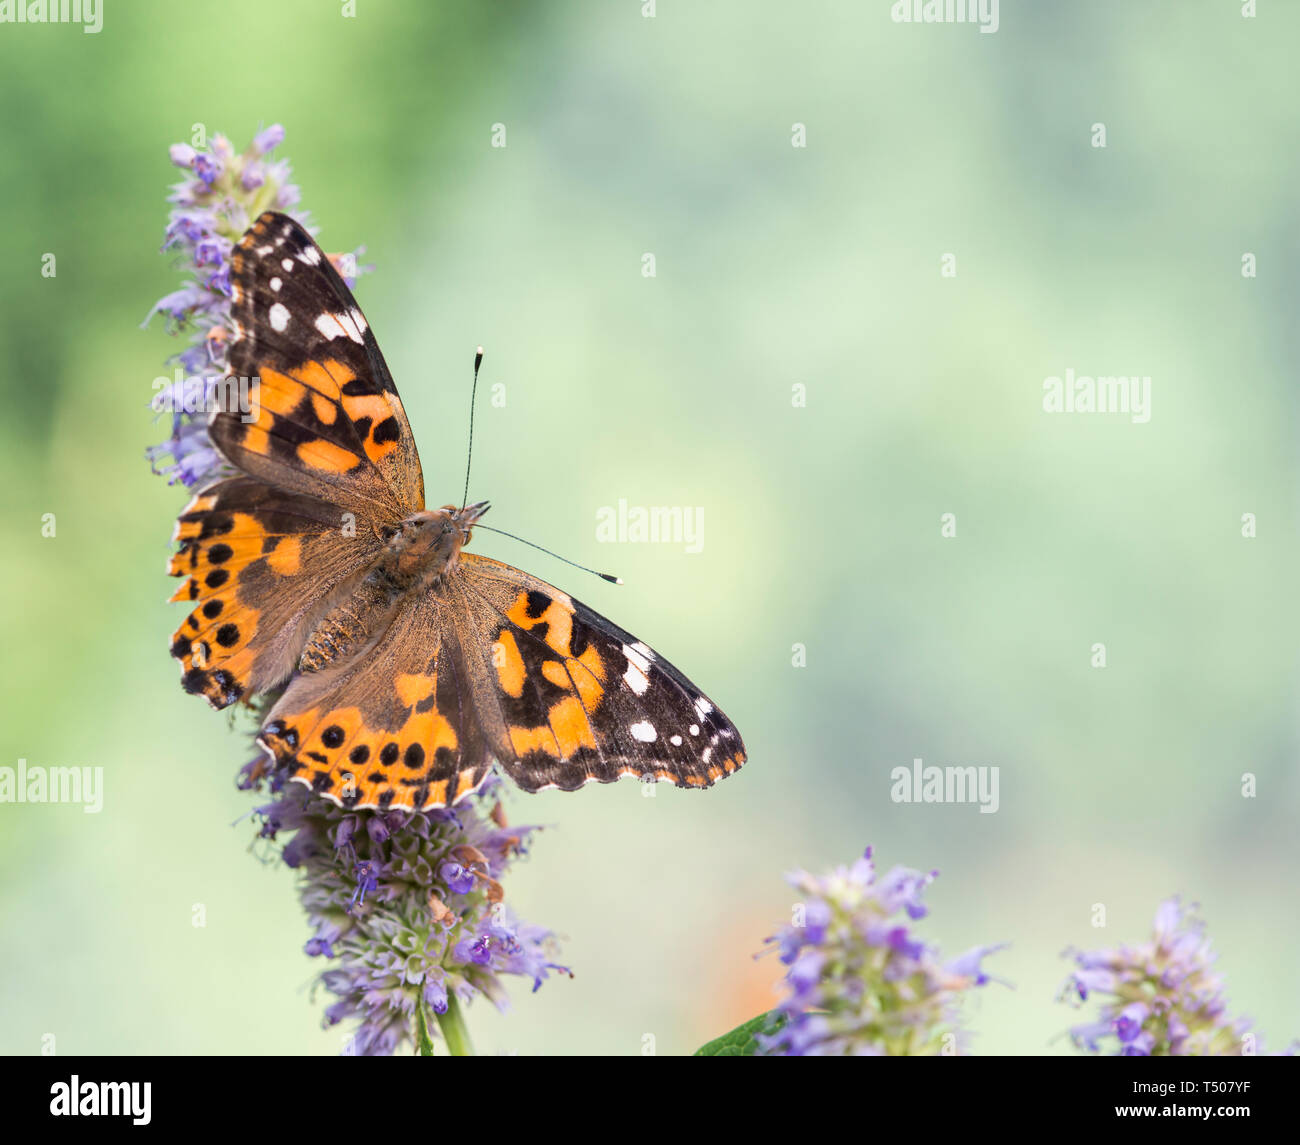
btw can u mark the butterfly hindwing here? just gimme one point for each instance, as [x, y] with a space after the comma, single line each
[394, 727]
[261, 566]
[324, 416]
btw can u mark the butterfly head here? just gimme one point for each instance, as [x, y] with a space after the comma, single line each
[467, 517]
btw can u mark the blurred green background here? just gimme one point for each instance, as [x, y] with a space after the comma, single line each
[776, 266]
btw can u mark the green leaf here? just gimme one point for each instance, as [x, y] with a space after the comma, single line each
[742, 1042]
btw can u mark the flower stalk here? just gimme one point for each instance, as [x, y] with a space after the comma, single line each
[454, 1033]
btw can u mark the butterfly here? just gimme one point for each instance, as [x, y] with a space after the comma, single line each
[407, 666]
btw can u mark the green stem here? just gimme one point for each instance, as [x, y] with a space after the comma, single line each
[452, 1024]
[423, 1042]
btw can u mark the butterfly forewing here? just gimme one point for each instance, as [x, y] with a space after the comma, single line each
[326, 417]
[575, 699]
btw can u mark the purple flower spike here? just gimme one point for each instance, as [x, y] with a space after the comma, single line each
[1159, 998]
[212, 209]
[859, 981]
[393, 913]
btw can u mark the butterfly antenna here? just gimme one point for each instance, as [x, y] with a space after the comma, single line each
[603, 576]
[469, 452]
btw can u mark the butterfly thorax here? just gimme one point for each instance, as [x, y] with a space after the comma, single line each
[418, 553]
[422, 549]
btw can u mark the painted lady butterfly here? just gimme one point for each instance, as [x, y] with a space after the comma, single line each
[408, 665]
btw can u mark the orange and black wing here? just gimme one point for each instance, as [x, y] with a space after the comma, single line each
[396, 727]
[567, 697]
[323, 416]
[260, 566]
[495, 666]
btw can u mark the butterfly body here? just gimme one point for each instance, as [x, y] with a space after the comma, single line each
[407, 666]
[421, 551]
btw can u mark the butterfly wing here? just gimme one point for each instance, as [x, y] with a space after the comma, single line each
[325, 418]
[394, 727]
[566, 697]
[495, 665]
[328, 457]
[261, 566]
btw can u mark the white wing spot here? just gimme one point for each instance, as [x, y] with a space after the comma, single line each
[276, 284]
[676, 741]
[350, 328]
[310, 255]
[638, 668]
[704, 756]
[703, 707]
[329, 326]
[358, 318]
[264, 250]
[279, 316]
[644, 731]
[695, 729]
